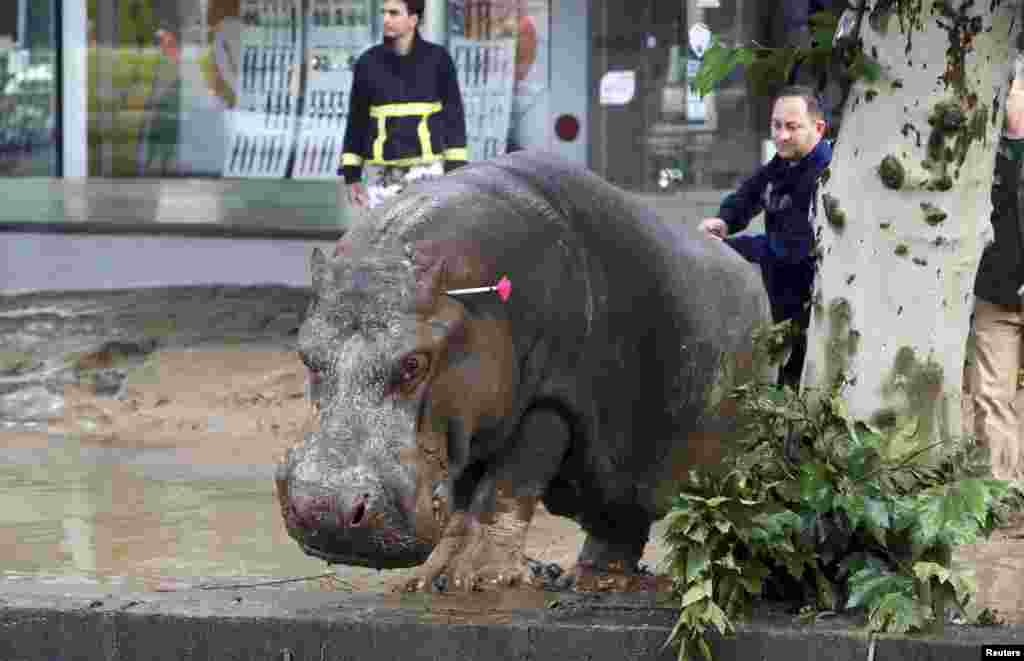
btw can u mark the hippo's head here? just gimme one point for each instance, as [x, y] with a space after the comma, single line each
[402, 377]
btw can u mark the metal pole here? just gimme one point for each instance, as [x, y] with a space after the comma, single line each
[23, 23]
[74, 36]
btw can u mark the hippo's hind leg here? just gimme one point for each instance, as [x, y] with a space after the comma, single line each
[612, 566]
[610, 557]
[484, 541]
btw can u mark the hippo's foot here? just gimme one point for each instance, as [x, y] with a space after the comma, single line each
[614, 566]
[474, 556]
[589, 578]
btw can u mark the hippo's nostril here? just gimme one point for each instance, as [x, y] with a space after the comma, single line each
[359, 511]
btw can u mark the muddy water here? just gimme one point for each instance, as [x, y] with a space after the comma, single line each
[170, 485]
[140, 518]
[143, 519]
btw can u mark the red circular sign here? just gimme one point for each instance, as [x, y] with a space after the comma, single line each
[567, 127]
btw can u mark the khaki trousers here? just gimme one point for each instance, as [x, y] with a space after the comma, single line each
[998, 331]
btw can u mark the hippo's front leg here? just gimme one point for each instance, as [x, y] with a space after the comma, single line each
[483, 544]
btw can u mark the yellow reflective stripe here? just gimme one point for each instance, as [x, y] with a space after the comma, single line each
[378, 144]
[382, 113]
[402, 162]
[405, 109]
[456, 154]
[348, 158]
[424, 132]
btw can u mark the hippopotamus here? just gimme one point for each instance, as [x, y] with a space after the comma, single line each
[441, 420]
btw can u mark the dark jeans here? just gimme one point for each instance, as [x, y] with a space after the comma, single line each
[789, 287]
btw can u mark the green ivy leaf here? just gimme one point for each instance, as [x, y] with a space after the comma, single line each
[853, 505]
[826, 593]
[769, 67]
[797, 564]
[728, 561]
[679, 520]
[705, 649]
[964, 585]
[722, 525]
[717, 64]
[928, 570]
[868, 435]
[896, 613]
[876, 512]
[698, 534]
[954, 514]
[815, 488]
[774, 528]
[869, 584]
[729, 535]
[901, 443]
[840, 410]
[752, 584]
[697, 560]
[717, 617]
[976, 496]
[699, 591]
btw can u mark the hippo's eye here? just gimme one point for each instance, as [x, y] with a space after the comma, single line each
[312, 365]
[410, 370]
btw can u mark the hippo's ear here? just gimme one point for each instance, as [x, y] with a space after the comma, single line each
[320, 270]
[430, 284]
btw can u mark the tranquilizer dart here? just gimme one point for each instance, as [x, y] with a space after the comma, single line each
[504, 289]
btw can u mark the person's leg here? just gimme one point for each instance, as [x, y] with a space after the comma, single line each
[997, 332]
[789, 289]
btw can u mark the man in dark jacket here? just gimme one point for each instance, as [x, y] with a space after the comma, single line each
[998, 319]
[785, 189]
[405, 110]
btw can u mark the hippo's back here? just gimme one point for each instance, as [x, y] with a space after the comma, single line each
[631, 324]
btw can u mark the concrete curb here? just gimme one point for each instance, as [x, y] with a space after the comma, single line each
[51, 622]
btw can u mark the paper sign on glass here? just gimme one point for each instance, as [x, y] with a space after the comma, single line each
[618, 88]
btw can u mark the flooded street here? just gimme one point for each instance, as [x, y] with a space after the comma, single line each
[169, 486]
[138, 517]
[143, 520]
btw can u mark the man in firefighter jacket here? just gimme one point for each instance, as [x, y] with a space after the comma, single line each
[405, 111]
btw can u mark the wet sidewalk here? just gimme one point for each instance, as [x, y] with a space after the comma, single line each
[42, 622]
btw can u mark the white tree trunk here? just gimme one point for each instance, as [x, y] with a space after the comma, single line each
[893, 295]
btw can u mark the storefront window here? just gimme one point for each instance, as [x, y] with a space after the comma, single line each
[232, 88]
[649, 132]
[28, 89]
[259, 88]
[500, 51]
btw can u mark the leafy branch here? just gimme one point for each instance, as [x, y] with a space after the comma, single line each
[767, 68]
[815, 508]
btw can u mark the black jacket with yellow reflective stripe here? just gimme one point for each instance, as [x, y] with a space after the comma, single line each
[404, 110]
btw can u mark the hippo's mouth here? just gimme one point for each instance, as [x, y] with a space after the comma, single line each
[388, 549]
[372, 561]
